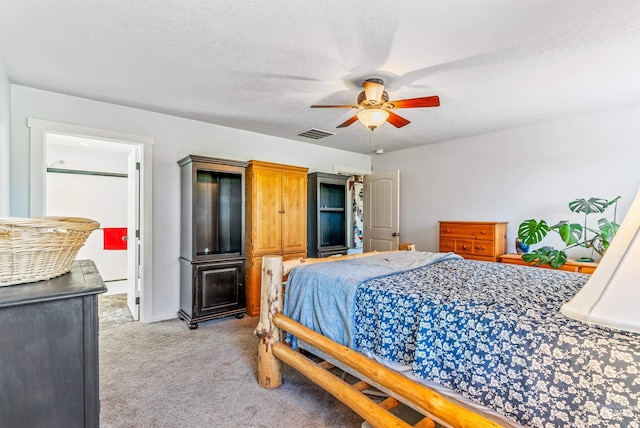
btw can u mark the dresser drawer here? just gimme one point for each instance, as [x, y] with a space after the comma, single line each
[467, 230]
[482, 248]
[447, 245]
[586, 269]
[467, 247]
[464, 246]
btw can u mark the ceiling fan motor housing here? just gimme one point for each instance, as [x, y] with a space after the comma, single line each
[373, 90]
[362, 99]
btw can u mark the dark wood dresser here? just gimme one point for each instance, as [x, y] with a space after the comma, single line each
[49, 350]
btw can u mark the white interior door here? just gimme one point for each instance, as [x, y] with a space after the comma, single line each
[133, 227]
[381, 211]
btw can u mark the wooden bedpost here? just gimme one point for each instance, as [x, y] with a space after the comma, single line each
[269, 367]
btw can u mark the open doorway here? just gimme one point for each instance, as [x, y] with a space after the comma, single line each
[139, 299]
[355, 197]
[374, 215]
[92, 178]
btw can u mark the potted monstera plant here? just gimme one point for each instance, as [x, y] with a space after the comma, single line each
[572, 234]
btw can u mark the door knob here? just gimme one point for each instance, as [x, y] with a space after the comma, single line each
[395, 234]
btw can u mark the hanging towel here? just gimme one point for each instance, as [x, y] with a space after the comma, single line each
[113, 238]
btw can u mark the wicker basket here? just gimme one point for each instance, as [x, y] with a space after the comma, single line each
[35, 249]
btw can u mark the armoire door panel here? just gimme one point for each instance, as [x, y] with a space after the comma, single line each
[294, 229]
[267, 203]
[220, 288]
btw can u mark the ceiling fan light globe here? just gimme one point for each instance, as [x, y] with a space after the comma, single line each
[372, 118]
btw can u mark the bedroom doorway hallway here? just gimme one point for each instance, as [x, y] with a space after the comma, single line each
[101, 175]
[374, 214]
[355, 199]
[93, 178]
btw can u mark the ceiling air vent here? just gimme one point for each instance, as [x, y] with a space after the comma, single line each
[316, 134]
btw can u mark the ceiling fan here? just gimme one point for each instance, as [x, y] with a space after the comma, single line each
[375, 107]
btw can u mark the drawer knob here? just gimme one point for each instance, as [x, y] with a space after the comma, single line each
[464, 247]
[482, 232]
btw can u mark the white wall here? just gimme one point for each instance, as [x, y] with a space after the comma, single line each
[174, 138]
[5, 120]
[514, 175]
[98, 197]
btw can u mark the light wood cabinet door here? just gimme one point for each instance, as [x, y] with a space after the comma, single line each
[266, 222]
[294, 212]
[276, 220]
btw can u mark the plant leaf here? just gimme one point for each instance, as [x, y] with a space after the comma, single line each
[558, 225]
[546, 255]
[593, 205]
[608, 230]
[570, 233]
[613, 201]
[557, 258]
[532, 232]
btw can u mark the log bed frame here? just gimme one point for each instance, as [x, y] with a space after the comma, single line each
[272, 352]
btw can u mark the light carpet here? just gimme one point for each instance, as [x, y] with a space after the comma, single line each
[165, 375]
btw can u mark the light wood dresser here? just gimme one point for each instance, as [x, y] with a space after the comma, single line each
[477, 240]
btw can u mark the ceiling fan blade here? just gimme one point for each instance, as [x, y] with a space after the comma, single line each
[432, 101]
[348, 122]
[396, 120]
[333, 106]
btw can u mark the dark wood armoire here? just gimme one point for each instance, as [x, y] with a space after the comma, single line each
[212, 260]
[327, 215]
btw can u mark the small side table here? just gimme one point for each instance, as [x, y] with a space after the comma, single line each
[570, 266]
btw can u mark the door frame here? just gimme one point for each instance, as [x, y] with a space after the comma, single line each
[37, 191]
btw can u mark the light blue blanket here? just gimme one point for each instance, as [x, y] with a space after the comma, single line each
[321, 296]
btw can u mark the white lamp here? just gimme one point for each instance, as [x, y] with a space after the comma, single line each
[611, 295]
[372, 118]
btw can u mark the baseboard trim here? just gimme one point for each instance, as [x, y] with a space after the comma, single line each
[162, 317]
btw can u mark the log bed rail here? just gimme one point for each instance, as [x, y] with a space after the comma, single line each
[272, 352]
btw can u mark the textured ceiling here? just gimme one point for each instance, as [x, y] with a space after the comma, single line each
[258, 65]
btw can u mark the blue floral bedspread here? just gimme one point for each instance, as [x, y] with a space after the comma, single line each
[494, 333]
[320, 296]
